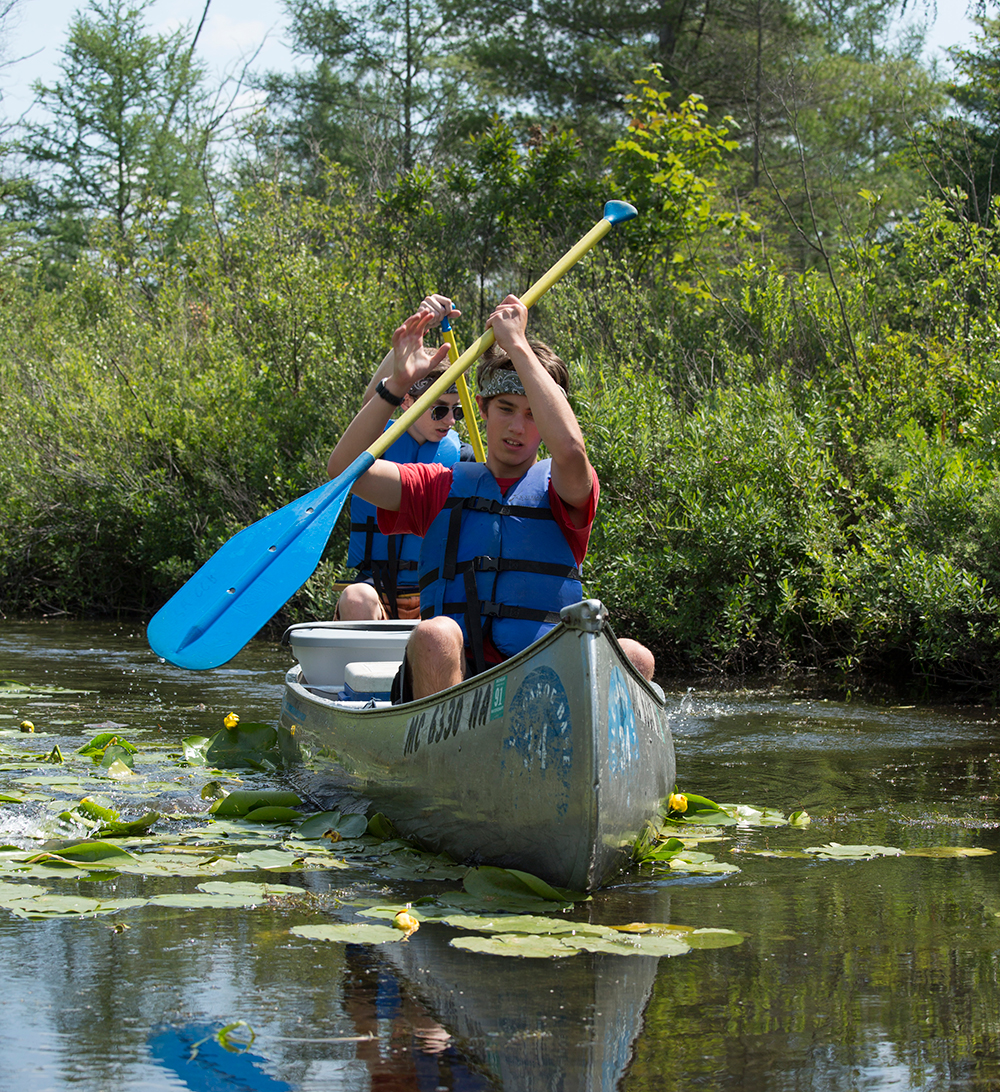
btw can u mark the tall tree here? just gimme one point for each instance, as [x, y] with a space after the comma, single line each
[963, 150]
[126, 134]
[383, 93]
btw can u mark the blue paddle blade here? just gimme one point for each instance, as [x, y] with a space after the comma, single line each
[250, 578]
[617, 212]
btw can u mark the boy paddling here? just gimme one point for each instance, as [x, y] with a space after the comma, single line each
[504, 542]
[386, 582]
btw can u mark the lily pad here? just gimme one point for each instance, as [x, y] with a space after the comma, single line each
[949, 851]
[691, 860]
[98, 746]
[270, 860]
[194, 749]
[247, 888]
[852, 853]
[60, 906]
[505, 883]
[646, 944]
[83, 854]
[273, 814]
[241, 802]
[246, 746]
[322, 823]
[522, 947]
[352, 933]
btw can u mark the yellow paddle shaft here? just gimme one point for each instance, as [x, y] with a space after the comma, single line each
[485, 340]
[469, 407]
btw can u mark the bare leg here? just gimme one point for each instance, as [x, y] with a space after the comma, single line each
[359, 603]
[435, 653]
[642, 659]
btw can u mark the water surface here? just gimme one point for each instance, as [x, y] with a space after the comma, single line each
[858, 974]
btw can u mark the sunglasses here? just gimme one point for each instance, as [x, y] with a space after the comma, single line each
[441, 411]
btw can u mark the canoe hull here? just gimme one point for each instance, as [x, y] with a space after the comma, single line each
[552, 762]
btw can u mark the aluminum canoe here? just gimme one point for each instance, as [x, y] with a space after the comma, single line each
[553, 762]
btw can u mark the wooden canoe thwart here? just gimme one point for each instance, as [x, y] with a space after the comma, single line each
[551, 762]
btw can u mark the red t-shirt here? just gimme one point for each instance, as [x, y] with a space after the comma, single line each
[426, 487]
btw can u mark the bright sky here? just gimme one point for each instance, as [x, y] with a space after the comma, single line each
[36, 32]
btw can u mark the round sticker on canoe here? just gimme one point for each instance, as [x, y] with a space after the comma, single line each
[623, 742]
[541, 731]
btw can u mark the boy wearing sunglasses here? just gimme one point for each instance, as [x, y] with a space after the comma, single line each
[386, 585]
[503, 541]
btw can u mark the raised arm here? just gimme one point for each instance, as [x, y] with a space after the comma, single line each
[572, 474]
[410, 362]
[439, 307]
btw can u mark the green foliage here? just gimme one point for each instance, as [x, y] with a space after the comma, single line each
[127, 138]
[668, 166]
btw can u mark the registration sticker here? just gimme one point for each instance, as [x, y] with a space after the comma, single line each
[499, 698]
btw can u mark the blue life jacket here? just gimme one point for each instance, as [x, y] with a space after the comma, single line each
[383, 557]
[478, 561]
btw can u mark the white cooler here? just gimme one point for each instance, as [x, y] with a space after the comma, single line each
[324, 649]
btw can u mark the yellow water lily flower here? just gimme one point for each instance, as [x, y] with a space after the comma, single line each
[27, 726]
[678, 802]
[405, 921]
[231, 721]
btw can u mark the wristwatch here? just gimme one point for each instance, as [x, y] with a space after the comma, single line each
[383, 392]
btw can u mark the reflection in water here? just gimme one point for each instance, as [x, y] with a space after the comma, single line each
[872, 975]
[204, 1063]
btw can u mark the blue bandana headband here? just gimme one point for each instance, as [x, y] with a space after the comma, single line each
[502, 381]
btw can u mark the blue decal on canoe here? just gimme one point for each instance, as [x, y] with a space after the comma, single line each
[541, 733]
[623, 742]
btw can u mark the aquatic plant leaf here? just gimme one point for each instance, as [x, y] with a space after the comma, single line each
[696, 804]
[702, 863]
[194, 749]
[172, 864]
[644, 944]
[97, 808]
[663, 851]
[85, 854]
[320, 824]
[129, 828]
[350, 933]
[272, 813]
[252, 746]
[248, 888]
[118, 770]
[116, 753]
[11, 798]
[854, 853]
[713, 938]
[702, 819]
[60, 906]
[271, 860]
[800, 819]
[496, 904]
[381, 827]
[242, 801]
[19, 891]
[747, 816]
[522, 947]
[200, 900]
[533, 924]
[97, 747]
[949, 851]
[489, 882]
